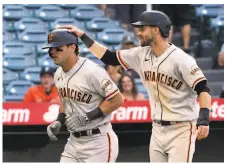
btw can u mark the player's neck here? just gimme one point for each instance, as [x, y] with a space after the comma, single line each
[159, 48]
[68, 65]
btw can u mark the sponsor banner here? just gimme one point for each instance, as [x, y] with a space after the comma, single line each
[45, 113]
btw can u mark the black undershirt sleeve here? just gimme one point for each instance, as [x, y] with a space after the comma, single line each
[110, 58]
[202, 87]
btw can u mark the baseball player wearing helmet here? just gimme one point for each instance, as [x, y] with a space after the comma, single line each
[88, 96]
[173, 81]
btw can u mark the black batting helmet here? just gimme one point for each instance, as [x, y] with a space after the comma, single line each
[155, 18]
[60, 37]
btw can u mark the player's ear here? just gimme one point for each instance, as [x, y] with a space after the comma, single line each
[73, 47]
[156, 30]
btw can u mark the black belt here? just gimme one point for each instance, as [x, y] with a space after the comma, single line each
[167, 123]
[86, 133]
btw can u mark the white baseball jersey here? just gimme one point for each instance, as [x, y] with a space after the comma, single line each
[170, 80]
[83, 88]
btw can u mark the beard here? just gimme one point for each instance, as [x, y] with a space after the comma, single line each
[146, 42]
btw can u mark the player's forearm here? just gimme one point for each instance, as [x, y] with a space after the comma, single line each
[205, 107]
[108, 106]
[205, 100]
[96, 48]
[61, 108]
[61, 116]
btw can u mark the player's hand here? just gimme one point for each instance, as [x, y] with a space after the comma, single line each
[202, 132]
[73, 29]
[53, 129]
[74, 121]
[203, 124]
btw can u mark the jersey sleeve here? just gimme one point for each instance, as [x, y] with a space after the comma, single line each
[103, 84]
[190, 71]
[129, 58]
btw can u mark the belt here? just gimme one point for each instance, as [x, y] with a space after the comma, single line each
[86, 133]
[166, 123]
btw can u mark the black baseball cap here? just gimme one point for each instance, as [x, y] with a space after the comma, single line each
[47, 70]
[128, 39]
[60, 37]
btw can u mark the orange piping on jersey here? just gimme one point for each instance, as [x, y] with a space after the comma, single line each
[198, 80]
[121, 61]
[111, 94]
[189, 146]
[109, 152]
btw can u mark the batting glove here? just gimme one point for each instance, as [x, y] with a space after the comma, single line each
[53, 129]
[75, 121]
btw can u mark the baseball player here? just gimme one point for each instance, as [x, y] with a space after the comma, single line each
[173, 81]
[88, 96]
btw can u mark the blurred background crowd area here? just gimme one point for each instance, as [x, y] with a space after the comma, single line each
[27, 69]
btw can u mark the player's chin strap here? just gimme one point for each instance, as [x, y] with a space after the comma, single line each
[203, 118]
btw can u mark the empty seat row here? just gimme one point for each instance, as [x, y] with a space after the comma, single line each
[51, 12]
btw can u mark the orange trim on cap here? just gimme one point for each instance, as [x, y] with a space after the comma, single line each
[121, 61]
[109, 152]
[196, 81]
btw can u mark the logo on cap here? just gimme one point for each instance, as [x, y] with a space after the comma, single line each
[50, 36]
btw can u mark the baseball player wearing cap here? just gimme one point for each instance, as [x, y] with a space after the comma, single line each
[88, 96]
[173, 81]
[46, 91]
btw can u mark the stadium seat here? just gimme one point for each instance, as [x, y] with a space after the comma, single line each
[112, 35]
[86, 12]
[110, 47]
[215, 88]
[214, 75]
[17, 47]
[204, 63]
[9, 76]
[50, 13]
[101, 23]
[7, 36]
[69, 6]
[66, 21]
[178, 39]
[218, 21]
[83, 50]
[95, 59]
[18, 62]
[31, 74]
[138, 81]
[46, 61]
[13, 98]
[210, 10]
[207, 48]
[141, 88]
[18, 87]
[40, 51]
[5, 25]
[30, 23]
[32, 6]
[117, 47]
[34, 36]
[15, 12]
